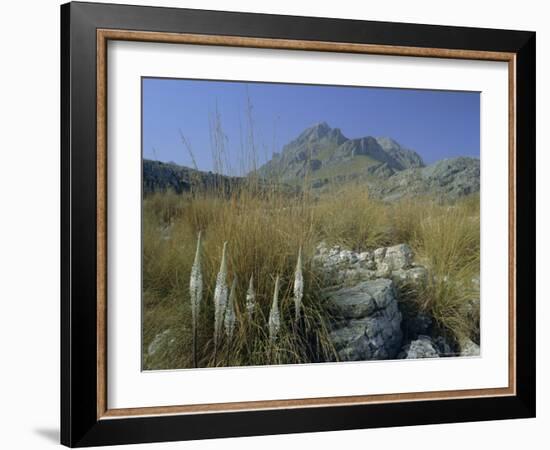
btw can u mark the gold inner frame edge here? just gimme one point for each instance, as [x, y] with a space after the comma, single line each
[103, 36]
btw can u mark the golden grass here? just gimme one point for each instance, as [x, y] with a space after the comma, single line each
[264, 230]
[449, 243]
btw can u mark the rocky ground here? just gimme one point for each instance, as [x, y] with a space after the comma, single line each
[368, 319]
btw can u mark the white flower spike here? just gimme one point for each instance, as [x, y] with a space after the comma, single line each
[250, 298]
[195, 284]
[298, 286]
[274, 315]
[220, 295]
[229, 320]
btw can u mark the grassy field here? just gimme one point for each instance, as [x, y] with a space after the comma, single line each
[264, 230]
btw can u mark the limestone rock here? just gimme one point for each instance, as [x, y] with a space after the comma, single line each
[161, 343]
[398, 257]
[346, 266]
[423, 347]
[444, 347]
[369, 321]
[468, 348]
[416, 276]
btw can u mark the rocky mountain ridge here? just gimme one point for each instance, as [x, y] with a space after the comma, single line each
[448, 178]
[324, 152]
[327, 158]
[390, 171]
[163, 176]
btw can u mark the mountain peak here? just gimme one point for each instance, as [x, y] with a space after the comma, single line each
[320, 134]
[405, 157]
[315, 132]
[321, 126]
[387, 143]
[325, 152]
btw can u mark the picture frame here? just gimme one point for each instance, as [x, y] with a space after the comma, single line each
[86, 418]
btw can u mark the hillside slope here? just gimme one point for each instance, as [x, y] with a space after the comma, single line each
[448, 178]
[160, 176]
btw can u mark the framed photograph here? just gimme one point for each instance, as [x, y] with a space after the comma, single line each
[276, 224]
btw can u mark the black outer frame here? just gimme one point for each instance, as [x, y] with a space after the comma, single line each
[79, 424]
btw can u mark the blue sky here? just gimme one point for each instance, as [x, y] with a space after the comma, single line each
[436, 124]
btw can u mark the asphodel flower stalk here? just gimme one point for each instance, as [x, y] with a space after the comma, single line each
[274, 322]
[229, 319]
[250, 298]
[195, 283]
[220, 297]
[195, 295]
[298, 286]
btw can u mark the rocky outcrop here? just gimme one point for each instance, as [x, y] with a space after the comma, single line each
[468, 347]
[161, 176]
[161, 343]
[394, 157]
[381, 170]
[423, 347]
[367, 321]
[406, 158]
[395, 263]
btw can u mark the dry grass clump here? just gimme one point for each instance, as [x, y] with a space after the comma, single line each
[449, 243]
[347, 216]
